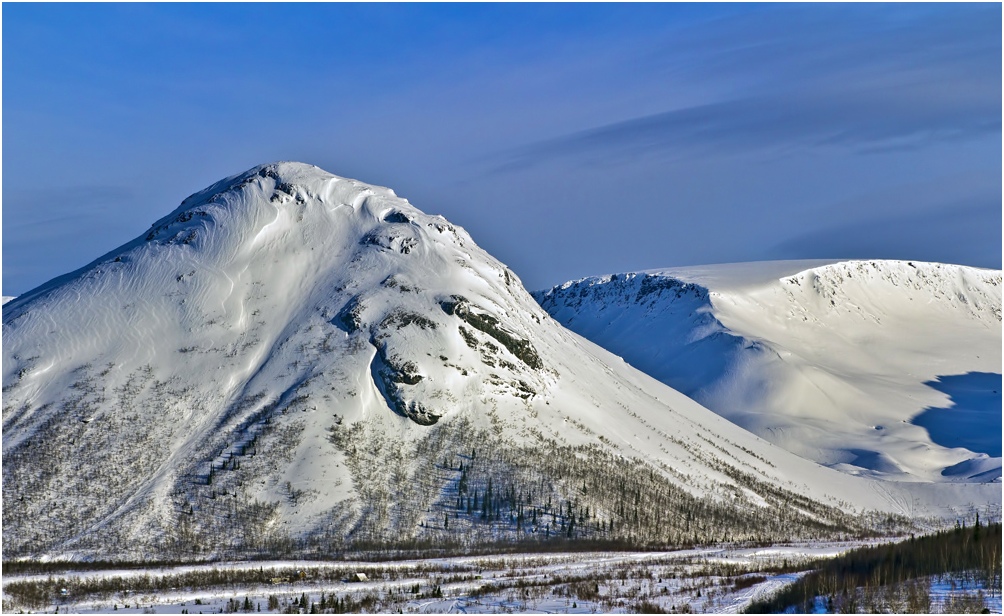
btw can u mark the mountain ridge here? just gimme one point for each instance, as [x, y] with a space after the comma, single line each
[292, 361]
[774, 344]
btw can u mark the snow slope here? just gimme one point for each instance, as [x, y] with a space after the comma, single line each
[883, 368]
[295, 361]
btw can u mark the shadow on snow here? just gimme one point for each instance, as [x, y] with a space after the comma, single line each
[973, 419]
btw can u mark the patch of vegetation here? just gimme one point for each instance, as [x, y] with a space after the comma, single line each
[462, 485]
[747, 581]
[850, 582]
[83, 433]
[37, 594]
[647, 607]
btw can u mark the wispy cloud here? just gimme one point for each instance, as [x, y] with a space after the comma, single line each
[777, 124]
[783, 81]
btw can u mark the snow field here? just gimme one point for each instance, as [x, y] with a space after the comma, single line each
[707, 579]
[885, 369]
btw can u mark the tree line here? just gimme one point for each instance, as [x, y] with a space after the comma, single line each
[845, 582]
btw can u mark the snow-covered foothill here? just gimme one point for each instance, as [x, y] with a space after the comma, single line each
[890, 369]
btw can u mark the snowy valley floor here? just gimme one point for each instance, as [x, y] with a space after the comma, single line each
[718, 580]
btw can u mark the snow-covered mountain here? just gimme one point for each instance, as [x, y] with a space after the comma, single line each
[884, 368]
[296, 361]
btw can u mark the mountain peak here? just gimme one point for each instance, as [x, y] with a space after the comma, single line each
[289, 177]
[273, 190]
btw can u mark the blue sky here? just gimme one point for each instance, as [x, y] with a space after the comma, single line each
[570, 140]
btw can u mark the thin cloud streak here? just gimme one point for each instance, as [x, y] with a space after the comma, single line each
[862, 123]
[785, 79]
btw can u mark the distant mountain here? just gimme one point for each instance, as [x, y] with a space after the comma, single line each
[889, 369]
[292, 362]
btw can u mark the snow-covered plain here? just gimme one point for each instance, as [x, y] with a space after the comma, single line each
[296, 361]
[889, 369]
[716, 579]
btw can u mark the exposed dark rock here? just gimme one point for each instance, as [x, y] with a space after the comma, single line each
[393, 282]
[396, 217]
[653, 283]
[390, 241]
[350, 316]
[468, 337]
[488, 324]
[401, 318]
[392, 375]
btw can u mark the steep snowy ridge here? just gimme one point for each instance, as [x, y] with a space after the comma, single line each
[885, 368]
[292, 361]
